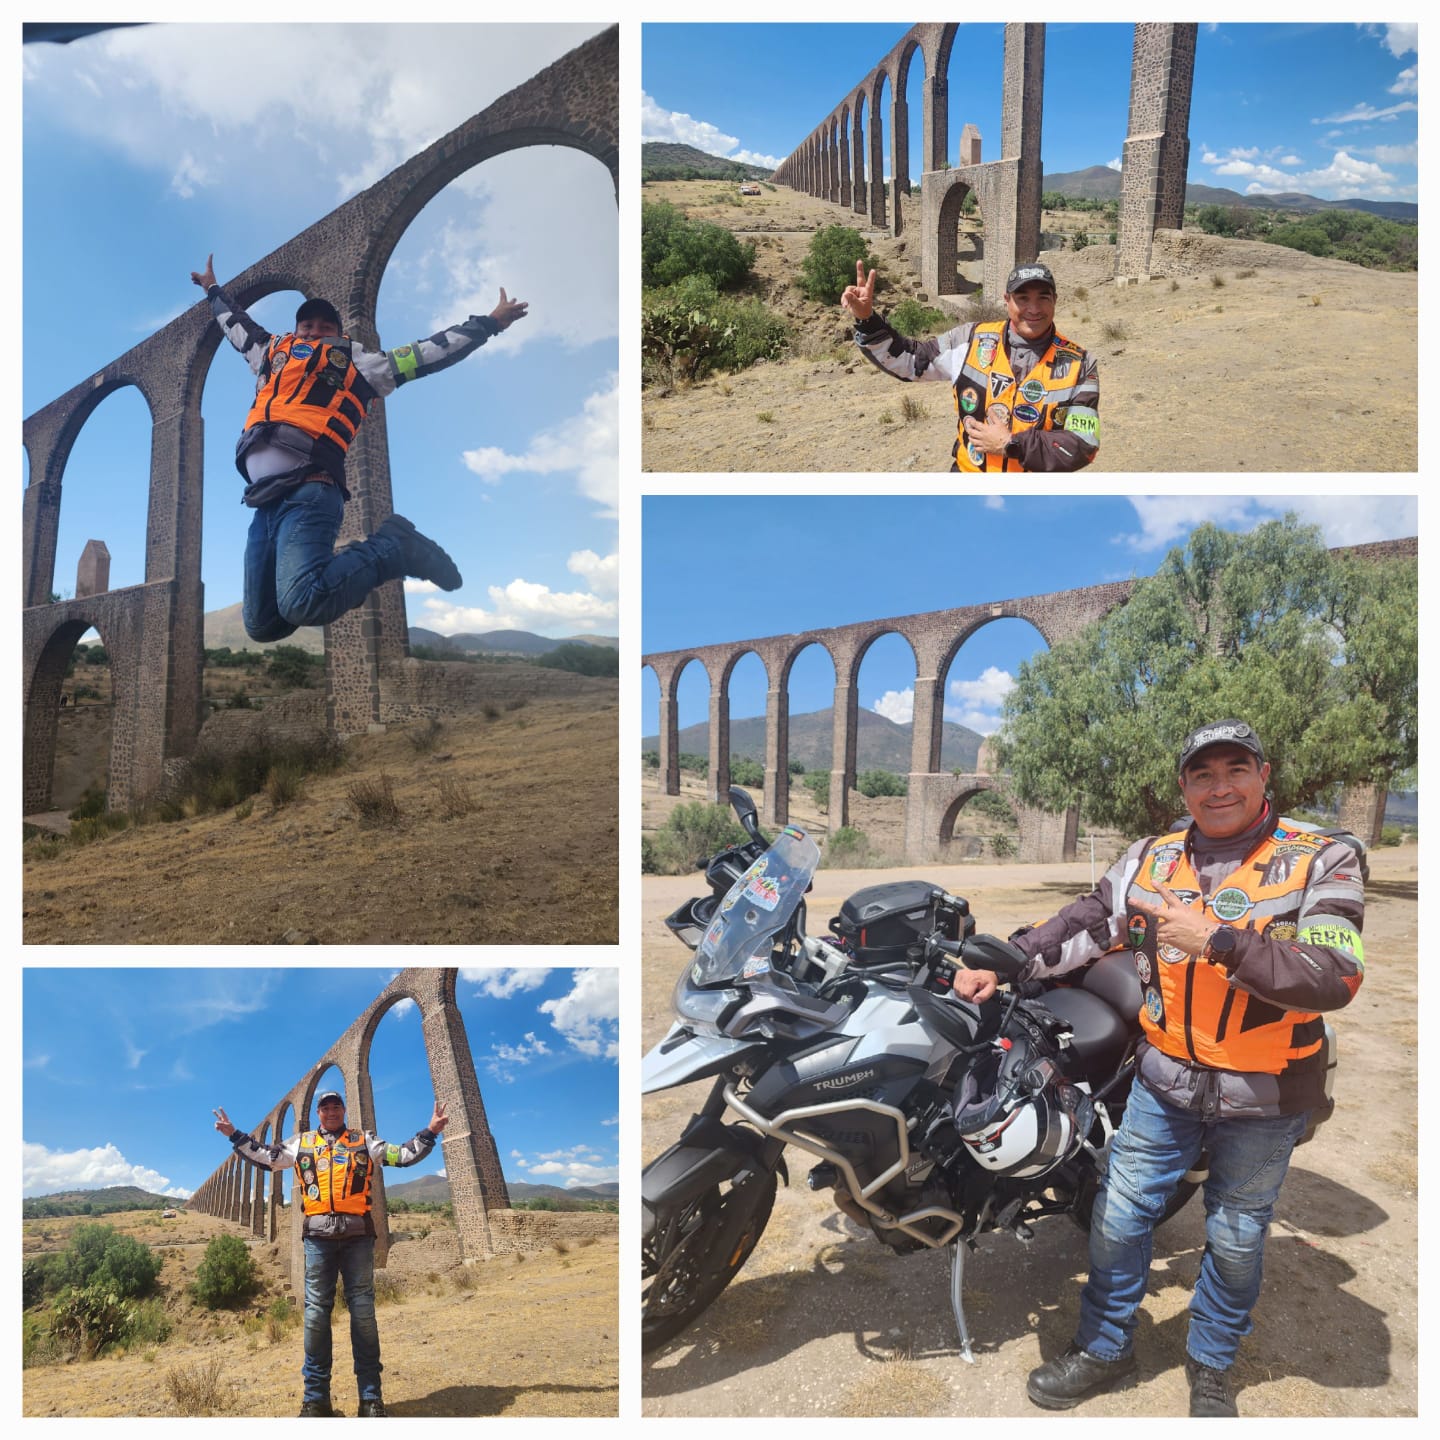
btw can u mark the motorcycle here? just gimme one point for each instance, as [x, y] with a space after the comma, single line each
[933, 1119]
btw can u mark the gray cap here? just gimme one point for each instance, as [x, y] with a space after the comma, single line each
[1220, 732]
[1033, 274]
[328, 1095]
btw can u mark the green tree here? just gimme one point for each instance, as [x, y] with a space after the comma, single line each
[744, 771]
[1317, 652]
[817, 782]
[830, 264]
[881, 782]
[226, 1273]
[672, 247]
[295, 668]
[127, 1267]
[582, 659]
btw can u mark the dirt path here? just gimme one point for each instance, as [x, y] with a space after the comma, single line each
[1238, 356]
[823, 1320]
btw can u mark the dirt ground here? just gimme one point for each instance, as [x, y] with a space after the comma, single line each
[532, 863]
[1289, 367]
[532, 1335]
[829, 1319]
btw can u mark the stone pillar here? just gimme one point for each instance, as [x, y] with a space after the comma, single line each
[669, 738]
[257, 1208]
[41, 527]
[970, 146]
[857, 149]
[842, 151]
[935, 120]
[776, 810]
[877, 166]
[1020, 126]
[1362, 812]
[717, 784]
[926, 721]
[899, 155]
[845, 726]
[1156, 155]
[92, 574]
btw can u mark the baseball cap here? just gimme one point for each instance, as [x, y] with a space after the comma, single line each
[329, 1095]
[318, 309]
[1220, 732]
[1030, 275]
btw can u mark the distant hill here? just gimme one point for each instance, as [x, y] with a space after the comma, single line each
[225, 629]
[435, 1190]
[662, 160]
[503, 642]
[1100, 182]
[880, 744]
[96, 1202]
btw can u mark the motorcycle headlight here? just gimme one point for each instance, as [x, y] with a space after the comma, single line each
[704, 1007]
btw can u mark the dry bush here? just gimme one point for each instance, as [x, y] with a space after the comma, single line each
[424, 738]
[283, 784]
[456, 798]
[199, 1389]
[1115, 330]
[388, 1290]
[1218, 280]
[560, 1247]
[464, 1278]
[912, 409]
[374, 802]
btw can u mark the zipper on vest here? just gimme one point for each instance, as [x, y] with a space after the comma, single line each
[1189, 1007]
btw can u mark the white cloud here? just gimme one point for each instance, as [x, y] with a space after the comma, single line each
[133, 1054]
[402, 1007]
[414, 586]
[1166, 520]
[613, 1120]
[574, 1172]
[1407, 82]
[501, 984]
[678, 128]
[36, 1062]
[994, 502]
[1397, 39]
[896, 705]
[1347, 176]
[588, 444]
[189, 173]
[589, 1016]
[1115, 164]
[978, 701]
[1394, 154]
[503, 1056]
[1365, 111]
[525, 605]
[44, 1171]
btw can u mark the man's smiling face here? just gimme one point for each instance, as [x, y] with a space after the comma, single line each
[1032, 309]
[1224, 786]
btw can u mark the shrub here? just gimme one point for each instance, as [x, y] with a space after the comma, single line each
[694, 831]
[912, 318]
[695, 764]
[673, 247]
[87, 1320]
[744, 771]
[456, 798]
[1002, 846]
[689, 330]
[216, 781]
[226, 1273]
[829, 266]
[295, 668]
[424, 738]
[873, 783]
[92, 802]
[283, 784]
[1079, 240]
[912, 409]
[374, 802]
[817, 782]
[238, 700]
[1115, 330]
[582, 659]
[127, 1267]
[847, 846]
[199, 1390]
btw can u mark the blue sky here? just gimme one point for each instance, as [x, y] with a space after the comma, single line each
[725, 568]
[147, 148]
[118, 1090]
[1326, 109]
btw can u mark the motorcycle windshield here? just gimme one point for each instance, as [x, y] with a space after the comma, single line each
[756, 908]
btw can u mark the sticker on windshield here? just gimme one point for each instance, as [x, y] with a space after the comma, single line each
[794, 834]
[755, 965]
[763, 891]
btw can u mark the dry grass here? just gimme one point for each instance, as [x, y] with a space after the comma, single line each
[456, 798]
[201, 1389]
[898, 1387]
[912, 409]
[374, 801]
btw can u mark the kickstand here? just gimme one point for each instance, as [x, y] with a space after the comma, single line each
[957, 1282]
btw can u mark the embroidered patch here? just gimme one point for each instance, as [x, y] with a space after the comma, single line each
[1231, 903]
[1142, 966]
[1155, 1007]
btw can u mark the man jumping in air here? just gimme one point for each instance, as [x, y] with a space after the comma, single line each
[313, 389]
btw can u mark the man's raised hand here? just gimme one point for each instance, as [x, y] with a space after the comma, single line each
[439, 1120]
[223, 1123]
[859, 298]
[206, 278]
[508, 311]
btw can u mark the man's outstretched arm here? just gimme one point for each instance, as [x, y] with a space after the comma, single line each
[267, 1157]
[390, 369]
[250, 339]
[412, 1151]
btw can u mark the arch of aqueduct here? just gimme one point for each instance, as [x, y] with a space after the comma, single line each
[154, 631]
[237, 1191]
[934, 798]
[834, 162]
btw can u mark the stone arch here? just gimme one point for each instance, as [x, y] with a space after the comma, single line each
[972, 786]
[718, 771]
[85, 406]
[787, 667]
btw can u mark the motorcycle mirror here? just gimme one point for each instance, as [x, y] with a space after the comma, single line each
[988, 952]
[744, 808]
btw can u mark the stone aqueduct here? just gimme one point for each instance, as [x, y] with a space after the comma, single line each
[835, 163]
[934, 799]
[154, 631]
[237, 1191]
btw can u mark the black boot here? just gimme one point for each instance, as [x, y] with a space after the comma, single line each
[317, 1409]
[375, 1408]
[421, 556]
[1210, 1395]
[1068, 1379]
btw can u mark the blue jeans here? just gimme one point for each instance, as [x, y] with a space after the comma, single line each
[1155, 1146]
[293, 574]
[354, 1259]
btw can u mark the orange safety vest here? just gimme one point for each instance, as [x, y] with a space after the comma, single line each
[335, 1173]
[312, 385]
[987, 383]
[1191, 1011]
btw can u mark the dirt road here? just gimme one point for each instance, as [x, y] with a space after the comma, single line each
[825, 1321]
[1237, 356]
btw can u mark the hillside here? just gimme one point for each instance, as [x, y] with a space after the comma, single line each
[435, 1190]
[663, 160]
[225, 629]
[504, 642]
[880, 744]
[110, 1198]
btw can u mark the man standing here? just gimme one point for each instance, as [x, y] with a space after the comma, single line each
[1244, 927]
[335, 1167]
[1027, 398]
[313, 390]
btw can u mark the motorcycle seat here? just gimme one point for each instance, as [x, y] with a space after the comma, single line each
[1100, 1034]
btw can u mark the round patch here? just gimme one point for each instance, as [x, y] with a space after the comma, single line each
[1028, 414]
[1057, 416]
[1033, 391]
[278, 361]
[1135, 931]
[977, 456]
[1171, 956]
[313, 1191]
[1142, 966]
[1153, 1007]
[301, 350]
[1000, 413]
[339, 359]
[1231, 903]
[1281, 930]
[969, 399]
[985, 351]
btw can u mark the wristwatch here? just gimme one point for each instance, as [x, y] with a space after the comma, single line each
[1221, 945]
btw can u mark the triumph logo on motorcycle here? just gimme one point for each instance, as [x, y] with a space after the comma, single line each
[974, 1117]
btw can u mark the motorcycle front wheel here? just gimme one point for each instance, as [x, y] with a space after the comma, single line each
[690, 1256]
